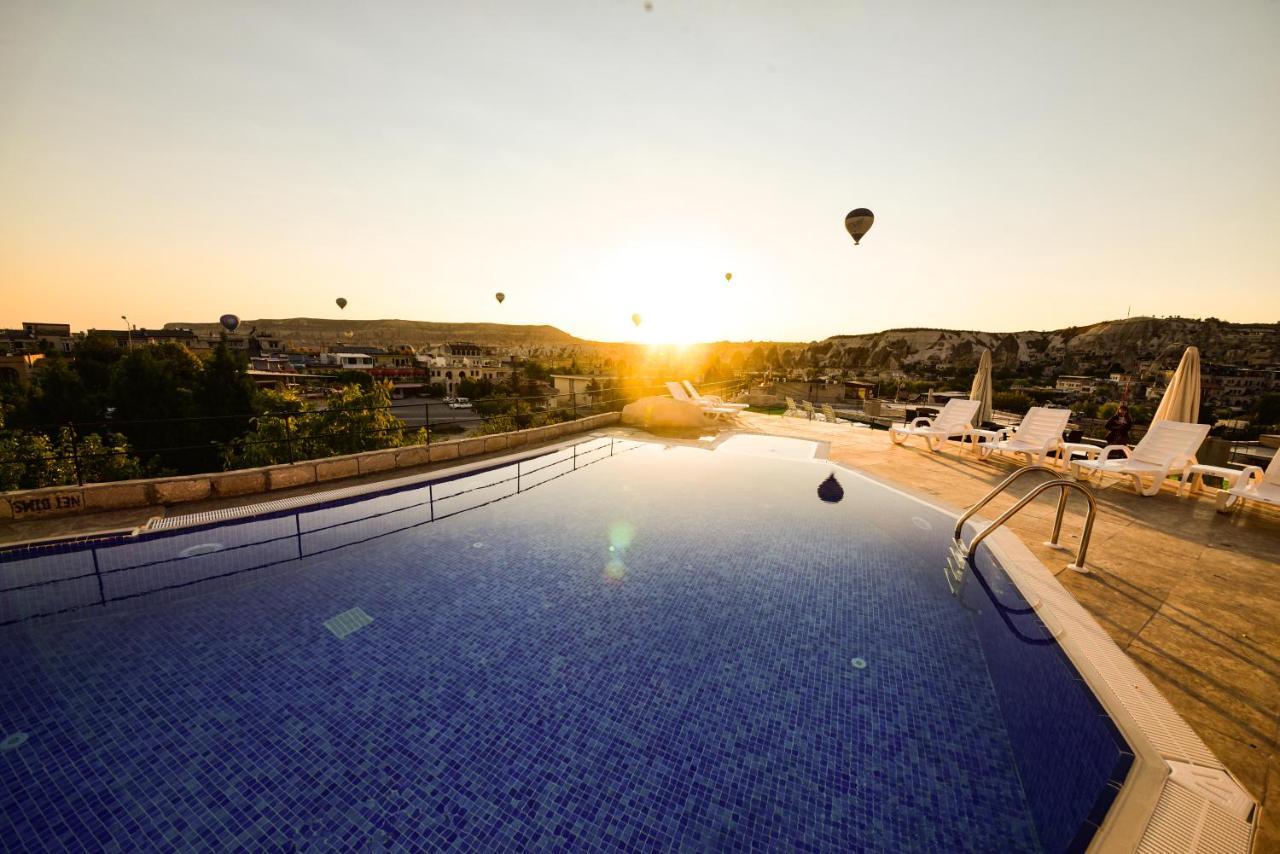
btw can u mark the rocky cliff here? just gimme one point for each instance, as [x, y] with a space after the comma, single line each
[321, 332]
[1098, 348]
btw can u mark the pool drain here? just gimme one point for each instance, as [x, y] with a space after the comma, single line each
[349, 621]
[13, 741]
[859, 664]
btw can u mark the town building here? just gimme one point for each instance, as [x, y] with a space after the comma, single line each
[581, 388]
[1236, 387]
[35, 338]
[347, 361]
[1075, 384]
[447, 365]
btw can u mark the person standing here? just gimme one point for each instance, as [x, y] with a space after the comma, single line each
[1118, 426]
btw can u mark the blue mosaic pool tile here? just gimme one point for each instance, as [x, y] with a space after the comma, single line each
[1049, 712]
[654, 652]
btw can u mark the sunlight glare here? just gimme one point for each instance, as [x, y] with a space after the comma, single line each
[677, 288]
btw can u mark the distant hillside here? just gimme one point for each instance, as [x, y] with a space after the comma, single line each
[1086, 349]
[317, 332]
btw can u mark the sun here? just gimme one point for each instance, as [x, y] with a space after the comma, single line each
[677, 290]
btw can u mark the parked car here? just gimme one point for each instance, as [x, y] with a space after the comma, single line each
[460, 403]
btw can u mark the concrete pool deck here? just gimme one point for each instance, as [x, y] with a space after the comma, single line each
[1191, 595]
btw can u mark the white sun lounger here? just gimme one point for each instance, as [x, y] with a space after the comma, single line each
[955, 419]
[1254, 484]
[1039, 434]
[1169, 447]
[710, 399]
[678, 392]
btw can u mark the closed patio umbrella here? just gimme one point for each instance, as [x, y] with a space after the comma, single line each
[981, 389]
[1181, 401]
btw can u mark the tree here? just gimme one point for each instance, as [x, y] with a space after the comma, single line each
[57, 395]
[361, 379]
[475, 387]
[352, 421]
[1266, 410]
[225, 400]
[1011, 401]
[153, 388]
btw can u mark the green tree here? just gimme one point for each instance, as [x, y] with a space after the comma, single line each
[153, 390]
[1266, 410]
[360, 379]
[1011, 401]
[57, 395]
[352, 420]
[225, 400]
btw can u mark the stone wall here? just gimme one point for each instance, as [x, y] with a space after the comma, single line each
[67, 500]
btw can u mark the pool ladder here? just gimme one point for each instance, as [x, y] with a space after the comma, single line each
[958, 553]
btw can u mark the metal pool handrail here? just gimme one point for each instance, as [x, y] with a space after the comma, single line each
[1063, 485]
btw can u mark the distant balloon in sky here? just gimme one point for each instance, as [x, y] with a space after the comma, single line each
[499, 296]
[830, 490]
[635, 318]
[858, 223]
[229, 322]
[341, 301]
[728, 277]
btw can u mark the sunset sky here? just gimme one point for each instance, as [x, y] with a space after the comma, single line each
[1030, 165]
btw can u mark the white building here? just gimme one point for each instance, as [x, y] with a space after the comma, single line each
[348, 361]
[1075, 384]
[450, 370]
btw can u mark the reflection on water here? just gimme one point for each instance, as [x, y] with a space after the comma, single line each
[40, 581]
[830, 490]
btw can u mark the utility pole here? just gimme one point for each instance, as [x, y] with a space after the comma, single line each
[128, 331]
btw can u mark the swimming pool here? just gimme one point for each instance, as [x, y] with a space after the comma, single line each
[614, 645]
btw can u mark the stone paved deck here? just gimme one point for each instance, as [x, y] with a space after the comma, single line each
[1192, 595]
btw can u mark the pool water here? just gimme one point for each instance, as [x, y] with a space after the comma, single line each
[616, 647]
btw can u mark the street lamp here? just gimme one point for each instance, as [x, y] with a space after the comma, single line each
[128, 331]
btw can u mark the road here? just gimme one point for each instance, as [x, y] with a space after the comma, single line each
[413, 411]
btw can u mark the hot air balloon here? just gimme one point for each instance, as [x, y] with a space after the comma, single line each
[830, 490]
[728, 277]
[229, 322]
[499, 296]
[341, 301]
[635, 318]
[858, 223]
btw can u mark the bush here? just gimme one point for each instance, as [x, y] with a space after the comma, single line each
[1011, 401]
[32, 460]
[353, 420]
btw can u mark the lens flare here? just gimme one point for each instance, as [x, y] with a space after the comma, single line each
[615, 570]
[620, 535]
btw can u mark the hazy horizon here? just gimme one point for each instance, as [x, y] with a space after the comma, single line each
[1031, 167]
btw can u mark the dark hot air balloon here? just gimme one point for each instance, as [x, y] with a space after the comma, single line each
[858, 223]
[635, 318]
[341, 301]
[229, 322]
[499, 296]
[830, 490]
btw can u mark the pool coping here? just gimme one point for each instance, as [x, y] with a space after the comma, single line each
[1175, 780]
